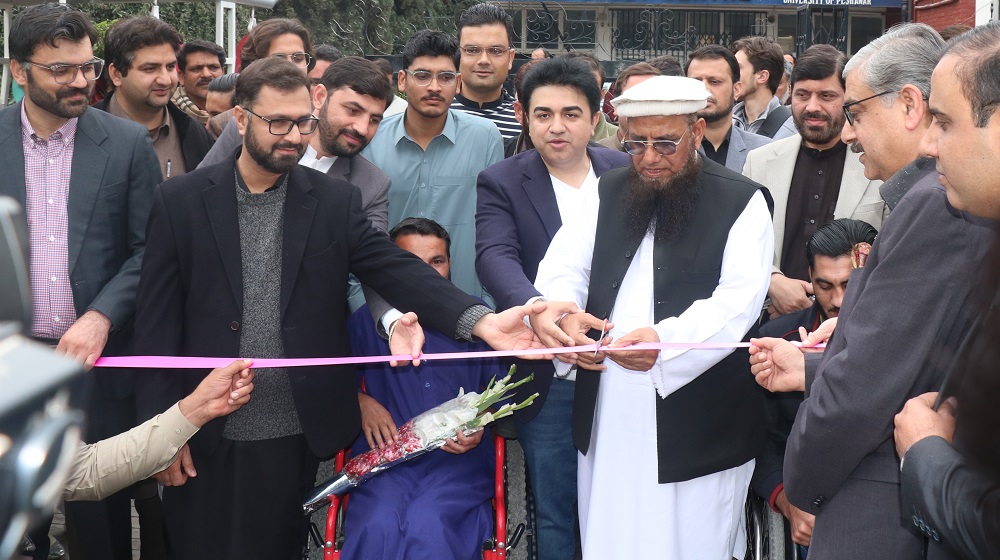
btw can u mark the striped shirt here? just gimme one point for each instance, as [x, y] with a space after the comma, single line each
[501, 112]
[47, 165]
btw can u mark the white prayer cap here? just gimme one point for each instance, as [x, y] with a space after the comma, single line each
[662, 96]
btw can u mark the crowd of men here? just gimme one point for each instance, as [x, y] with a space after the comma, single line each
[292, 210]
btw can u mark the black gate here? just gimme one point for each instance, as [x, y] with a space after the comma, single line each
[821, 25]
[644, 33]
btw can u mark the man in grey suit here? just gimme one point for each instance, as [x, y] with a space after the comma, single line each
[349, 100]
[901, 321]
[86, 180]
[725, 144]
[950, 470]
[812, 176]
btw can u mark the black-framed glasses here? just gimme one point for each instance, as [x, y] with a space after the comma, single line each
[662, 147]
[281, 127]
[494, 51]
[847, 106]
[423, 78]
[65, 74]
[301, 59]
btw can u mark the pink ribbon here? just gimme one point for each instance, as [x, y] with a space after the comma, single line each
[181, 362]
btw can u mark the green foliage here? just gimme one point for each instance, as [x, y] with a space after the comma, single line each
[193, 20]
[359, 27]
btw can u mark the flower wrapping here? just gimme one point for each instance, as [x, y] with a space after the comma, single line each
[423, 433]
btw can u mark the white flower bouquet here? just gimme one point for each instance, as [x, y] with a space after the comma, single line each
[424, 433]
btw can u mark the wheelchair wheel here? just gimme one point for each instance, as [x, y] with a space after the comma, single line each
[517, 503]
[768, 536]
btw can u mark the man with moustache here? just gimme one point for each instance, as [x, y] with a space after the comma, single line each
[349, 106]
[252, 257]
[485, 32]
[903, 317]
[198, 63]
[142, 65]
[349, 101]
[679, 249]
[829, 254]
[725, 144]
[812, 176]
[85, 179]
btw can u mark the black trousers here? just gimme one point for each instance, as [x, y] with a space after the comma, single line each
[245, 502]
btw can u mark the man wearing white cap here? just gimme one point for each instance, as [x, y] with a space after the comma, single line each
[666, 437]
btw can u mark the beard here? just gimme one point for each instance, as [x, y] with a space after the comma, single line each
[821, 134]
[329, 136]
[665, 205]
[718, 113]
[267, 159]
[56, 104]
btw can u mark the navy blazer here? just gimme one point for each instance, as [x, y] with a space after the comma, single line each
[190, 300]
[516, 219]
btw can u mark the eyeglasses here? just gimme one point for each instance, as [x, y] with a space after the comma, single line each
[662, 147]
[495, 52]
[847, 106]
[423, 78]
[281, 127]
[65, 74]
[301, 59]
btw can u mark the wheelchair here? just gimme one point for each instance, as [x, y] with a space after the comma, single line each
[768, 533]
[511, 510]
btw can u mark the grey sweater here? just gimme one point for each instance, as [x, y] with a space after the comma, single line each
[271, 412]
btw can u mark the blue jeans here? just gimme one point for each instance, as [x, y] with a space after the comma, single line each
[548, 450]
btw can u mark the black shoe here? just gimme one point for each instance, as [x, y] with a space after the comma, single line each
[56, 550]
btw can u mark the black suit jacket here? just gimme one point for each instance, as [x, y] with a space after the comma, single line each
[191, 295]
[516, 218]
[953, 503]
[195, 139]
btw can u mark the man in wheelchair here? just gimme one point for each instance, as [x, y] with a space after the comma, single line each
[436, 506]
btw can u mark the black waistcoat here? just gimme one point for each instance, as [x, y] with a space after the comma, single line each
[718, 420]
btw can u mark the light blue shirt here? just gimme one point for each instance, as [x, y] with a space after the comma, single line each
[440, 183]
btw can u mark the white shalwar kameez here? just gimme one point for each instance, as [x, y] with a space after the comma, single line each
[624, 511]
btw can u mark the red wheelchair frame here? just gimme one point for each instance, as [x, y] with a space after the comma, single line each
[498, 551]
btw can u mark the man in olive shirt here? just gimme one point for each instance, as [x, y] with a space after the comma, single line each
[142, 66]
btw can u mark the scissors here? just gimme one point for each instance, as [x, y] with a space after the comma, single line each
[604, 327]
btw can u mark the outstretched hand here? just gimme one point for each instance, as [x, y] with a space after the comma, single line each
[223, 391]
[507, 330]
[777, 365]
[406, 337]
[547, 325]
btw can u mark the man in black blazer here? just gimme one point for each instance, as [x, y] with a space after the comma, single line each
[86, 180]
[254, 259]
[518, 211]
